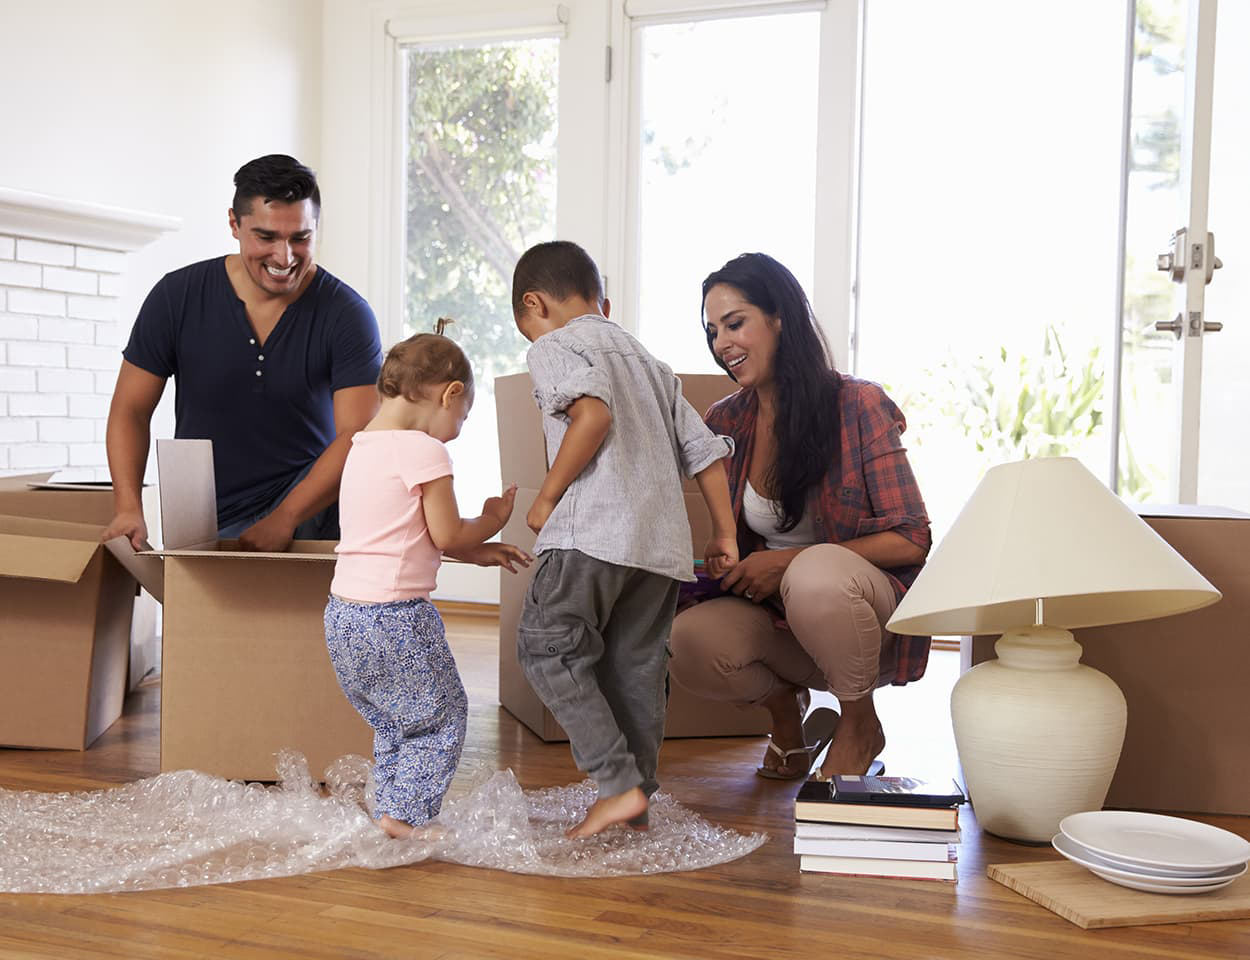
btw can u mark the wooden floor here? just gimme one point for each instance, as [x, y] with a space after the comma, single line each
[759, 906]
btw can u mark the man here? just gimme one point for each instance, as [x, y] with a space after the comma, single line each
[275, 361]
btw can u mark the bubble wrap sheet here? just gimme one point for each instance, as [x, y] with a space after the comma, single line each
[186, 828]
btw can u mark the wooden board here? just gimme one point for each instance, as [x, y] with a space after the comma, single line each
[1092, 903]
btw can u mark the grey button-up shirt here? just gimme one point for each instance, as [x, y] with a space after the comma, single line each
[627, 506]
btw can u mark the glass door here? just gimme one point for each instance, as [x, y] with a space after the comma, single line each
[988, 232]
[1223, 474]
[1182, 396]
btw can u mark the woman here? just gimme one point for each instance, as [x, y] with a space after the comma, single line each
[831, 529]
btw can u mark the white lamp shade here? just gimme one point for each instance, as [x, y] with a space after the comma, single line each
[1048, 529]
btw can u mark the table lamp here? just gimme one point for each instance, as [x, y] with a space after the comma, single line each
[1042, 547]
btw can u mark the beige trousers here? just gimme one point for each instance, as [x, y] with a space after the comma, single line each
[836, 605]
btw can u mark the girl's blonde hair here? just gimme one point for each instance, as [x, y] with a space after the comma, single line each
[423, 360]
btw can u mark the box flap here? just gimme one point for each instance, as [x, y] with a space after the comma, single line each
[188, 494]
[91, 486]
[1198, 510]
[22, 482]
[314, 550]
[146, 567]
[23, 526]
[44, 558]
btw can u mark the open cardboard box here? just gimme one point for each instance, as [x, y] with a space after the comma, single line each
[523, 460]
[38, 496]
[64, 633]
[1184, 677]
[245, 672]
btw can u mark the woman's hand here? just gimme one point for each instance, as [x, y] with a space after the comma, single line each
[758, 576]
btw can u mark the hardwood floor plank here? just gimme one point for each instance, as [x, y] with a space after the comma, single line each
[759, 907]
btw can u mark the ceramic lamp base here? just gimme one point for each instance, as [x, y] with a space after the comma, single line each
[1038, 734]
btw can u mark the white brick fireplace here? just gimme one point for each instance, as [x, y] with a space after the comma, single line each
[62, 265]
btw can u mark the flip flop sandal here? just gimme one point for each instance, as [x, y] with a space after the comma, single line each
[875, 769]
[818, 730]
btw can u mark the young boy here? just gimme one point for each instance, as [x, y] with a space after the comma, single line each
[613, 540]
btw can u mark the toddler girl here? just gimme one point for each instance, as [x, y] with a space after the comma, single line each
[399, 516]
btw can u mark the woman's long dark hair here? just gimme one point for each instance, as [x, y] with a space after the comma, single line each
[806, 423]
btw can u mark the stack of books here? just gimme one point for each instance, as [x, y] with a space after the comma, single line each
[878, 827]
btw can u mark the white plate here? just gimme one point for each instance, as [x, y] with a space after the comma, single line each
[1111, 870]
[1153, 840]
[1104, 862]
[1154, 886]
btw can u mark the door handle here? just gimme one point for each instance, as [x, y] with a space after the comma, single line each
[1171, 326]
[1195, 328]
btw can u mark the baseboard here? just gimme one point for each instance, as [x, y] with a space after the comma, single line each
[465, 608]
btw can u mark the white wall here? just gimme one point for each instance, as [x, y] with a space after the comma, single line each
[152, 105]
[347, 170]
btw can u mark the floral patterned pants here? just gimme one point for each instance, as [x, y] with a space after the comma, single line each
[394, 664]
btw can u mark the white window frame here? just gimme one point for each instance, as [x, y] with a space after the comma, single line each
[837, 149]
[579, 186]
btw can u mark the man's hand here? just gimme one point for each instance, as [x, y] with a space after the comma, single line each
[758, 576]
[539, 511]
[495, 555]
[129, 525]
[721, 555]
[273, 534]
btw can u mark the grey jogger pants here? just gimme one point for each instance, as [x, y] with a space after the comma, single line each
[592, 639]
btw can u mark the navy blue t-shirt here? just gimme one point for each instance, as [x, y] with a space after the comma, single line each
[268, 409]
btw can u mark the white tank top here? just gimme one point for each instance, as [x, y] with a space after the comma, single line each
[764, 516]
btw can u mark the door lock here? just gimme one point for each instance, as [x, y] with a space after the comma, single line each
[1182, 256]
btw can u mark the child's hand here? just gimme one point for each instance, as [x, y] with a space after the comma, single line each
[499, 509]
[721, 555]
[495, 555]
[539, 512]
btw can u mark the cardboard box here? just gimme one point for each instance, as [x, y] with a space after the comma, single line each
[1186, 678]
[245, 671]
[36, 495]
[64, 634]
[523, 460]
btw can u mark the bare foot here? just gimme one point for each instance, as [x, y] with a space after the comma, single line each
[606, 811]
[858, 741]
[396, 829]
[787, 705]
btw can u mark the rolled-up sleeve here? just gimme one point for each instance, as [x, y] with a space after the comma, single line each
[697, 446]
[893, 493]
[561, 376]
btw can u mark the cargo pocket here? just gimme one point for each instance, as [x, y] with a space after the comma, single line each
[544, 654]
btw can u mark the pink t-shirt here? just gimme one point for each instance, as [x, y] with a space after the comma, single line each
[385, 552]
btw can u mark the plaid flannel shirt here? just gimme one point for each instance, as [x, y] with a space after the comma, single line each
[871, 489]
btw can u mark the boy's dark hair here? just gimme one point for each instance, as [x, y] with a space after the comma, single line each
[274, 177]
[807, 425]
[559, 269]
[423, 360]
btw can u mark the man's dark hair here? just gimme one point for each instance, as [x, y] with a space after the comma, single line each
[559, 269]
[274, 177]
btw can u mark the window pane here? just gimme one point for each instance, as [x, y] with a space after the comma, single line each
[728, 163]
[1224, 456]
[989, 231]
[481, 179]
[1155, 209]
